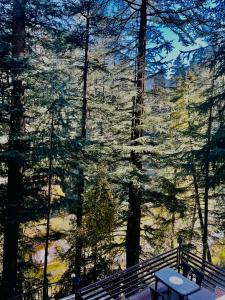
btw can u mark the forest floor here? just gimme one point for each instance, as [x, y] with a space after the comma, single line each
[56, 264]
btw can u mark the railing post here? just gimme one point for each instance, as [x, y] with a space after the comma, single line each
[45, 291]
[179, 249]
[205, 245]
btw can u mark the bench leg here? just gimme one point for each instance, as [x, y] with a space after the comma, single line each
[156, 284]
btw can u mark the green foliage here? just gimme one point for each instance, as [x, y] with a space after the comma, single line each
[183, 129]
[99, 208]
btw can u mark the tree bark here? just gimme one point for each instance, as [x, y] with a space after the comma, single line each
[135, 194]
[45, 271]
[79, 240]
[206, 254]
[15, 162]
[200, 215]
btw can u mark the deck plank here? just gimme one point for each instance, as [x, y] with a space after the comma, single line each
[203, 294]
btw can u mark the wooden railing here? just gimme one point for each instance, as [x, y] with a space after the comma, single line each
[213, 275]
[130, 281]
[56, 290]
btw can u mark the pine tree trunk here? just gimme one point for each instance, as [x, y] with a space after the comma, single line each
[135, 194]
[193, 221]
[79, 240]
[45, 271]
[15, 164]
[200, 215]
[206, 253]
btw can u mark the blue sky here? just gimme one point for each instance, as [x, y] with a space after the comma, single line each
[177, 45]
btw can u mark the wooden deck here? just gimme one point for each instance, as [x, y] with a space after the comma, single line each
[127, 283]
[203, 294]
